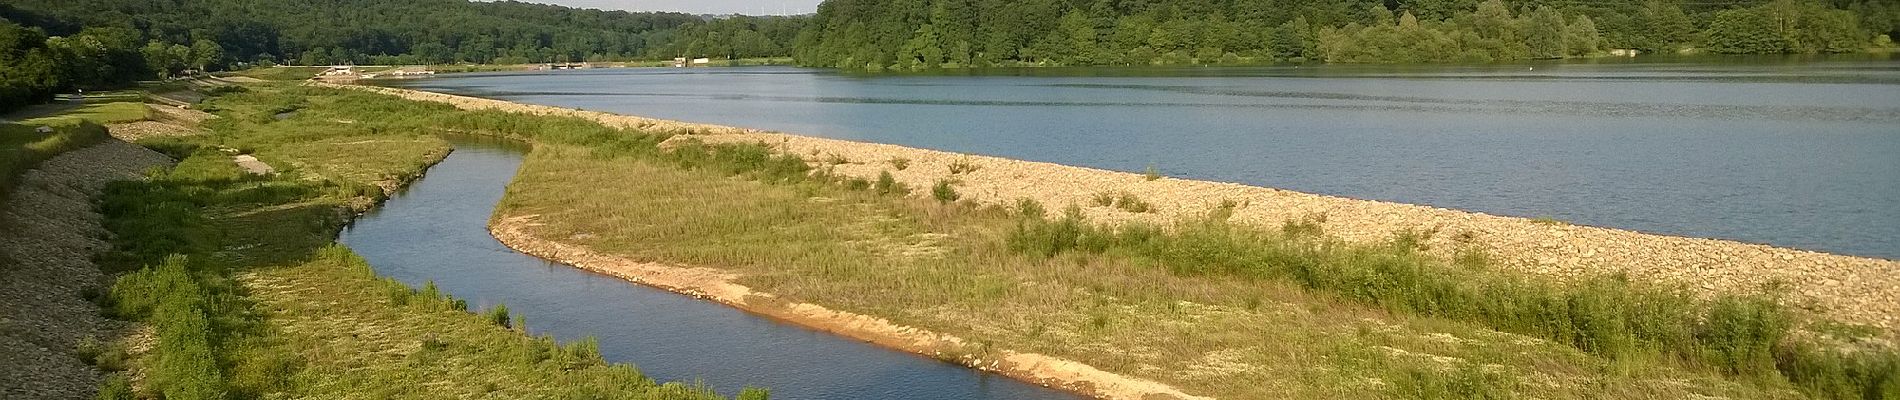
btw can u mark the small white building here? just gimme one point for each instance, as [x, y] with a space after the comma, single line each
[702, 61]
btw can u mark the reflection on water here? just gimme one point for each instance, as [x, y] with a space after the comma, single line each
[436, 231]
[1788, 151]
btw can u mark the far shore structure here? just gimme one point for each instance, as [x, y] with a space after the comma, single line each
[1850, 289]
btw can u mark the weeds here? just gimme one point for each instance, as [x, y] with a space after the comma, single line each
[888, 186]
[900, 163]
[963, 166]
[944, 193]
[1122, 200]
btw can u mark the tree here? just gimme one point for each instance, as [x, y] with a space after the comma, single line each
[1545, 34]
[1581, 37]
[1665, 26]
[1746, 31]
[205, 54]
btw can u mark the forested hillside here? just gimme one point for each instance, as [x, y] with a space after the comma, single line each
[912, 34]
[49, 46]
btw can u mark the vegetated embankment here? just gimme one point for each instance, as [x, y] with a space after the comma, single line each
[52, 234]
[1851, 289]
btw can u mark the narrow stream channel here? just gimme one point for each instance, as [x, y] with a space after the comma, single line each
[436, 231]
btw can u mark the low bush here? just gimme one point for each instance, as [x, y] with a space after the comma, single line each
[944, 193]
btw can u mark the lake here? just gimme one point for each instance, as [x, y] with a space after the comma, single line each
[1801, 153]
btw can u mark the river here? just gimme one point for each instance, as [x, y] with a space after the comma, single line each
[1795, 153]
[436, 230]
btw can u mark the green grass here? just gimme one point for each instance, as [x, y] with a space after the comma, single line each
[248, 296]
[93, 112]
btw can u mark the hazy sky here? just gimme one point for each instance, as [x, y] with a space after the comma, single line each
[748, 7]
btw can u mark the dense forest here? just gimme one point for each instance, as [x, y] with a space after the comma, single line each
[919, 34]
[50, 46]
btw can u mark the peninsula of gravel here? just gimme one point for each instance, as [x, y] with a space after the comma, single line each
[1850, 289]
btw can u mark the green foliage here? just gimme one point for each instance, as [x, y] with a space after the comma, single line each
[1122, 200]
[944, 192]
[216, 33]
[925, 34]
[960, 167]
[499, 316]
[888, 185]
[752, 393]
[115, 387]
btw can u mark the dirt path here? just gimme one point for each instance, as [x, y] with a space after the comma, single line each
[51, 235]
[715, 285]
[1851, 289]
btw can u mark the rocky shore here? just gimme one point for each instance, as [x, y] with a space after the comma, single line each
[1849, 289]
[52, 234]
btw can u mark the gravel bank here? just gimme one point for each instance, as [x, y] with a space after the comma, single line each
[52, 233]
[1850, 289]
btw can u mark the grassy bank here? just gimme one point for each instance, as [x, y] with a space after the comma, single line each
[247, 296]
[1213, 308]
[1200, 306]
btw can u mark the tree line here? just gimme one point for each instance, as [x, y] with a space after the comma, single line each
[921, 34]
[50, 46]
[55, 46]
[412, 31]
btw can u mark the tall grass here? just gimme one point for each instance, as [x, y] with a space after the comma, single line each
[1607, 316]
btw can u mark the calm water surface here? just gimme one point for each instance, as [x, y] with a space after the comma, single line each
[1797, 154]
[436, 231]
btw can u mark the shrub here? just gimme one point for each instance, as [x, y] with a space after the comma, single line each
[499, 316]
[944, 193]
[1151, 173]
[963, 166]
[1130, 203]
[900, 163]
[888, 185]
[752, 393]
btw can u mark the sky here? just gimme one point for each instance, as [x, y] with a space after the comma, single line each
[748, 7]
